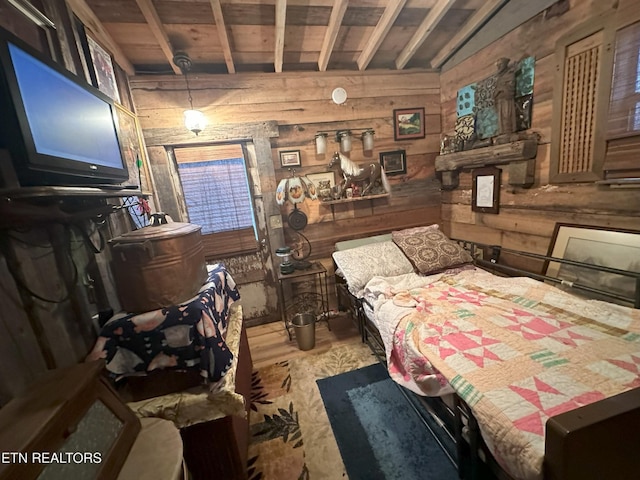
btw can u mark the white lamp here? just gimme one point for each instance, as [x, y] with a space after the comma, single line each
[295, 189]
[194, 120]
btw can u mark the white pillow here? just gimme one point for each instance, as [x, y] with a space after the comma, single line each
[361, 264]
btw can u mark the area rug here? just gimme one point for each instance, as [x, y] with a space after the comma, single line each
[291, 436]
[378, 434]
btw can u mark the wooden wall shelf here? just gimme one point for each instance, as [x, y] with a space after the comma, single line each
[55, 192]
[519, 155]
[38, 205]
[354, 199]
[333, 203]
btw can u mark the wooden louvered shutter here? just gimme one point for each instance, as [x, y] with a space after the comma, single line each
[581, 95]
[622, 158]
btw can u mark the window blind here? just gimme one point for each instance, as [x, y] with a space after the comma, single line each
[217, 194]
[218, 198]
[622, 158]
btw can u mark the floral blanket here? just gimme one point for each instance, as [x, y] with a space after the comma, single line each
[516, 350]
[186, 336]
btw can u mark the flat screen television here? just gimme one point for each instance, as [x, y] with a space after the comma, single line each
[58, 129]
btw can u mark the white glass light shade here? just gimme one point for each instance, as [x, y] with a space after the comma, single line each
[310, 188]
[367, 140]
[194, 120]
[321, 143]
[345, 141]
[281, 191]
[295, 190]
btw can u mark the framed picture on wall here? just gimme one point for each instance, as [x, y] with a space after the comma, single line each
[132, 149]
[613, 248]
[324, 182]
[394, 163]
[290, 158]
[104, 71]
[485, 193]
[408, 123]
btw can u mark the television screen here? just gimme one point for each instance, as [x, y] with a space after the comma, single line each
[62, 130]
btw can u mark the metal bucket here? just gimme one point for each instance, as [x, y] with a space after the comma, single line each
[304, 325]
[156, 267]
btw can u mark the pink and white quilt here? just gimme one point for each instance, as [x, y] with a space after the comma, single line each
[516, 350]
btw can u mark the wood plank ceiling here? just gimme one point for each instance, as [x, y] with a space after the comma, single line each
[229, 36]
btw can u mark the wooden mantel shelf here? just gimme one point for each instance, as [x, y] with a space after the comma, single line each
[519, 155]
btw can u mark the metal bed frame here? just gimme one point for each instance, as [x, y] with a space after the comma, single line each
[454, 426]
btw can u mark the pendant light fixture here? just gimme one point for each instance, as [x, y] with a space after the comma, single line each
[194, 120]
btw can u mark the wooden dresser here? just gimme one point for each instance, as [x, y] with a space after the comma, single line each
[218, 448]
[215, 448]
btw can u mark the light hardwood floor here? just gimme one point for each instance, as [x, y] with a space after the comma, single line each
[269, 343]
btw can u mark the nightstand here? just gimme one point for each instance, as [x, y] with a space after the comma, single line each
[313, 296]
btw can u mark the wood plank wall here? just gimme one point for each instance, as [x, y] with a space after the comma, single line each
[51, 281]
[301, 105]
[527, 216]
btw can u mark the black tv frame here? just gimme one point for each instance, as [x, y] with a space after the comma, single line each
[30, 167]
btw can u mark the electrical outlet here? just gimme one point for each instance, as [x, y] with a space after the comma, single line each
[275, 221]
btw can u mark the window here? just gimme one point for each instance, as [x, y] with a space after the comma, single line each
[622, 158]
[218, 198]
[596, 123]
[217, 194]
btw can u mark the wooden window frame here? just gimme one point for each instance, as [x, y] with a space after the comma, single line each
[605, 72]
[622, 154]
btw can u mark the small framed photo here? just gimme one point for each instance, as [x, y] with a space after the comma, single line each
[408, 123]
[485, 193]
[290, 158]
[324, 182]
[394, 163]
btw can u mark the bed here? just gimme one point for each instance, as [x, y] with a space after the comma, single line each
[526, 380]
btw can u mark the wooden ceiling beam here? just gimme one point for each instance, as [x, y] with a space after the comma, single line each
[281, 20]
[222, 35]
[426, 28]
[155, 24]
[472, 26]
[335, 21]
[90, 21]
[385, 23]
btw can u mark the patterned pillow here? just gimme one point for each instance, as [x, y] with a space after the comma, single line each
[429, 249]
[361, 264]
